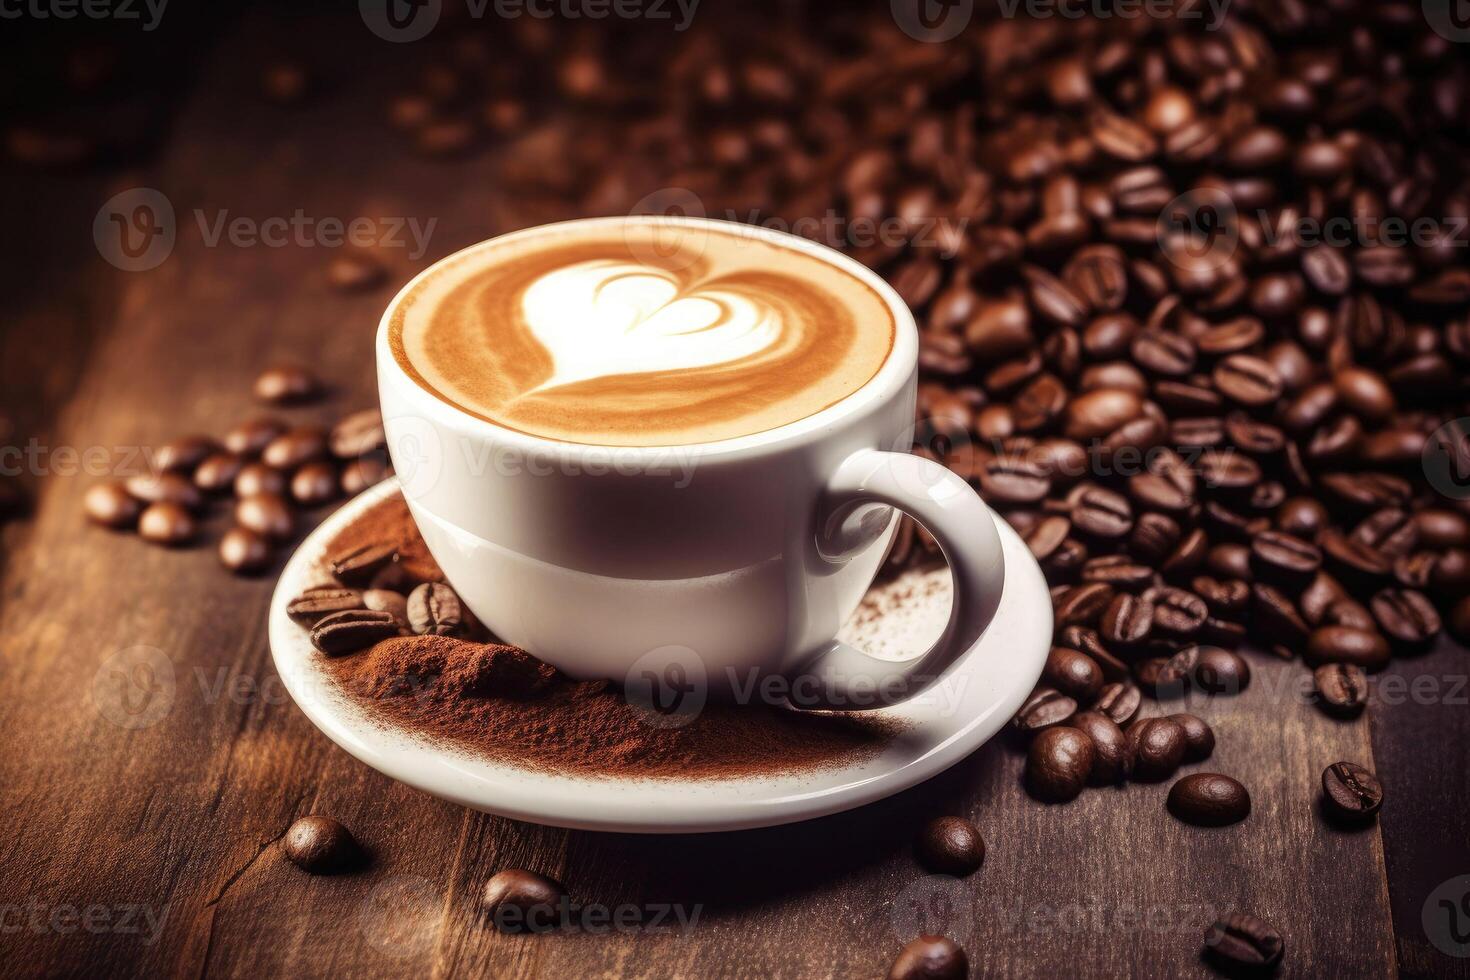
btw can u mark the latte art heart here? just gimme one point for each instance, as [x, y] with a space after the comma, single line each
[603, 318]
[598, 340]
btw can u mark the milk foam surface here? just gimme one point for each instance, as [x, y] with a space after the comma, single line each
[648, 335]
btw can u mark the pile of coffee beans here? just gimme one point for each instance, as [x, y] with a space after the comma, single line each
[265, 471]
[370, 598]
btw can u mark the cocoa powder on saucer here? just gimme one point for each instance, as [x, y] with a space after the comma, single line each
[500, 702]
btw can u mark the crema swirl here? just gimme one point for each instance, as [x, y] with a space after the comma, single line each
[644, 334]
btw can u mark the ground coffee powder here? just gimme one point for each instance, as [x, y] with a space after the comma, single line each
[501, 702]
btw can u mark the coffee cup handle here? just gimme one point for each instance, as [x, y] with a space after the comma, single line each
[869, 481]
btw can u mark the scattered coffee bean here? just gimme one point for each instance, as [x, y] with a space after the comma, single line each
[1218, 671]
[165, 488]
[434, 609]
[930, 958]
[355, 272]
[1058, 764]
[321, 845]
[1346, 645]
[316, 603]
[1283, 560]
[1119, 702]
[1199, 738]
[358, 566]
[265, 514]
[1241, 941]
[1165, 678]
[1045, 708]
[357, 434]
[1158, 746]
[314, 484]
[352, 630]
[360, 474]
[167, 523]
[1342, 689]
[1112, 757]
[217, 472]
[258, 478]
[951, 846]
[1209, 799]
[388, 601]
[250, 437]
[183, 454]
[295, 448]
[287, 384]
[1350, 792]
[1073, 673]
[522, 901]
[110, 505]
[1406, 617]
[245, 551]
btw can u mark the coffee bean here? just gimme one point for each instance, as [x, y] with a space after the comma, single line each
[1154, 538]
[357, 434]
[1119, 701]
[1390, 531]
[1350, 792]
[321, 845]
[1209, 799]
[1112, 758]
[950, 846]
[1127, 620]
[1283, 560]
[1058, 764]
[110, 505]
[1086, 640]
[166, 523]
[1164, 678]
[1277, 618]
[183, 454]
[168, 488]
[1163, 353]
[930, 958]
[1158, 747]
[357, 566]
[1176, 612]
[434, 609]
[267, 514]
[1011, 481]
[1344, 644]
[1118, 572]
[286, 384]
[1302, 517]
[316, 603]
[1248, 380]
[1084, 605]
[1100, 513]
[388, 601]
[258, 478]
[1073, 673]
[1231, 560]
[1045, 708]
[217, 472]
[1342, 689]
[352, 630]
[1440, 528]
[1406, 617]
[314, 484]
[1097, 413]
[1224, 469]
[1227, 598]
[516, 900]
[244, 551]
[295, 448]
[360, 474]
[1218, 671]
[1199, 738]
[1241, 941]
[253, 435]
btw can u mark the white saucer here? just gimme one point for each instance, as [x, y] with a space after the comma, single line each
[897, 619]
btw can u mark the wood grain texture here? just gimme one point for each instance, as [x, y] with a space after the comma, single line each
[181, 820]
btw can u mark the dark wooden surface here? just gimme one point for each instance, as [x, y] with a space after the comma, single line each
[180, 821]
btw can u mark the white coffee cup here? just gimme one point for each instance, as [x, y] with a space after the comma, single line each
[735, 560]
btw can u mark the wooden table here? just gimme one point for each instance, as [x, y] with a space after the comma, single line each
[155, 850]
